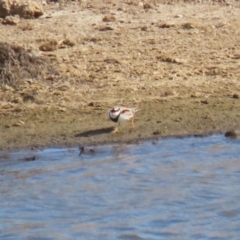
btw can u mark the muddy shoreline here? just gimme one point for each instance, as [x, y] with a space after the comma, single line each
[176, 117]
[179, 63]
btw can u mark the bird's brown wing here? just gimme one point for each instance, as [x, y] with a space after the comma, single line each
[125, 110]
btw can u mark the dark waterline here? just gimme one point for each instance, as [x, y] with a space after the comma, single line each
[168, 189]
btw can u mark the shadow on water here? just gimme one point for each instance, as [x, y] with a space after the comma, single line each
[95, 132]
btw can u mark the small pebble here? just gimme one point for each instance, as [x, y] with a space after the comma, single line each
[156, 132]
[235, 96]
[231, 134]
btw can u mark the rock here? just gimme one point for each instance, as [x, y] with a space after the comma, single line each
[105, 28]
[231, 134]
[166, 25]
[19, 124]
[144, 28]
[11, 20]
[147, 6]
[187, 26]
[109, 19]
[5, 8]
[68, 43]
[17, 100]
[49, 45]
[111, 60]
[156, 132]
[235, 96]
[178, 16]
[23, 8]
[62, 109]
[6, 105]
[31, 10]
[63, 87]
[204, 101]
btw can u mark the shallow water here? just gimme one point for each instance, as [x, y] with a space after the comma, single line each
[168, 189]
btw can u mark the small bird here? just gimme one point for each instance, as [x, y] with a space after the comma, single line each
[120, 114]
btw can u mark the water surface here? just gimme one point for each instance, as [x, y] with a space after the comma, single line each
[167, 189]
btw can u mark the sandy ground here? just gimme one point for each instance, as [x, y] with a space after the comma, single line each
[179, 63]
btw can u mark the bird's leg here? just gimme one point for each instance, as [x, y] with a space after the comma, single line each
[116, 128]
[133, 126]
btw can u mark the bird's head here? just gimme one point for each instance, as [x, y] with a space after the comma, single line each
[114, 112]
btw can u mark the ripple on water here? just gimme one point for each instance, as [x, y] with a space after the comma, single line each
[173, 189]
